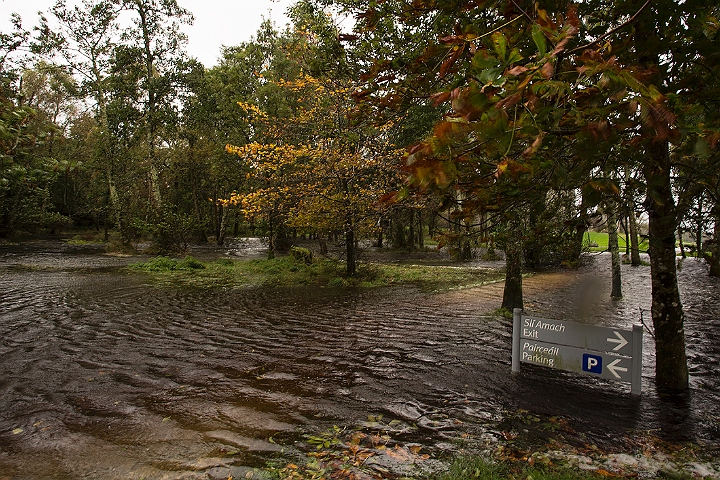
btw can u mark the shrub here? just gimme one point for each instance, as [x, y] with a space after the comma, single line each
[301, 254]
[190, 263]
[163, 264]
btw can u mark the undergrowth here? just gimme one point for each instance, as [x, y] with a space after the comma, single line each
[302, 270]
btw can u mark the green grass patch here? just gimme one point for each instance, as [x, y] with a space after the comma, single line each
[598, 242]
[167, 264]
[289, 271]
[466, 468]
[87, 238]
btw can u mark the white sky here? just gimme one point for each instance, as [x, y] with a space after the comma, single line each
[217, 22]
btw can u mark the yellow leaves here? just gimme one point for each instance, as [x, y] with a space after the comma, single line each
[252, 110]
[304, 81]
[266, 159]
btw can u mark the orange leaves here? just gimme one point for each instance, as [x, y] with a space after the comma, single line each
[513, 168]
[439, 97]
[517, 70]
[657, 118]
[547, 70]
[535, 146]
[544, 20]
[447, 131]
[508, 102]
[456, 52]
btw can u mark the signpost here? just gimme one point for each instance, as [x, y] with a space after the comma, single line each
[611, 353]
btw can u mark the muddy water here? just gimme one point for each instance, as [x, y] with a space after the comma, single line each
[104, 375]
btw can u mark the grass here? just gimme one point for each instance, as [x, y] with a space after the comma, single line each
[289, 271]
[598, 242]
[466, 468]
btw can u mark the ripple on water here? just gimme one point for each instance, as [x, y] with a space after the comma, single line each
[99, 366]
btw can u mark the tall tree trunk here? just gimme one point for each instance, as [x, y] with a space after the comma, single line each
[350, 248]
[411, 232]
[513, 291]
[634, 244]
[421, 230]
[699, 228]
[624, 222]
[115, 206]
[671, 372]
[151, 114]
[220, 240]
[614, 247]
[680, 241]
[271, 238]
[715, 258]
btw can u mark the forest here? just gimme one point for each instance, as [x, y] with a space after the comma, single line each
[515, 125]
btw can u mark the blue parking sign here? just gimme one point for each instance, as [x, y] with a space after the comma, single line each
[592, 363]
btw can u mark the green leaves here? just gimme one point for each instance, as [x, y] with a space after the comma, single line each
[539, 38]
[500, 44]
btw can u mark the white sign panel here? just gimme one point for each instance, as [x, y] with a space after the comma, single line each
[606, 352]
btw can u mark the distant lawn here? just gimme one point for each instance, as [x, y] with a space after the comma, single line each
[598, 242]
[289, 271]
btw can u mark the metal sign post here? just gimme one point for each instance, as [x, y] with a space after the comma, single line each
[610, 353]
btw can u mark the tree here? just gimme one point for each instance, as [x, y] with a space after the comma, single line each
[318, 163]
[523, 83]
[30, 100]
[613, 246]
[154, 48]
[83, 45]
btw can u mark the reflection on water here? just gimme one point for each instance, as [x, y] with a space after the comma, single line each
[103, 375]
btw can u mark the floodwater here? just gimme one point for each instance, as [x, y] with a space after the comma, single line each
[106, 375]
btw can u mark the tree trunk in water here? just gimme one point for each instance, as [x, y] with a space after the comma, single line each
[271, 239]
[575, 251]
[624, 222]
[350, 250]
[411, 233]
[634, 244]
[682, 244]
[421, 230]
[699, 229]
[115, 206]
[671, 372]
[223, 225]
[513, 293]
[715, 258]
[614, 248]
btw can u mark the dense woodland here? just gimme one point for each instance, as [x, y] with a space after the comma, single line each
[509, 124]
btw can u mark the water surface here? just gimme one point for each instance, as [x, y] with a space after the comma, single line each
[104, 374]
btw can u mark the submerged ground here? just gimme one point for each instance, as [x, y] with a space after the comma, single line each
[106, 374]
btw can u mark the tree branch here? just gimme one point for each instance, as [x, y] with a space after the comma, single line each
[611, 32]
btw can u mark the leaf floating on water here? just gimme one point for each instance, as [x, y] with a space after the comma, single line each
[605, 473]
[17, 431]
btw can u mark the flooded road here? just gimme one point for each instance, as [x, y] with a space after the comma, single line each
[105, 375]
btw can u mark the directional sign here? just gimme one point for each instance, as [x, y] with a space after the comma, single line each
[606, 352]
[592, 337]
[572, 359]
